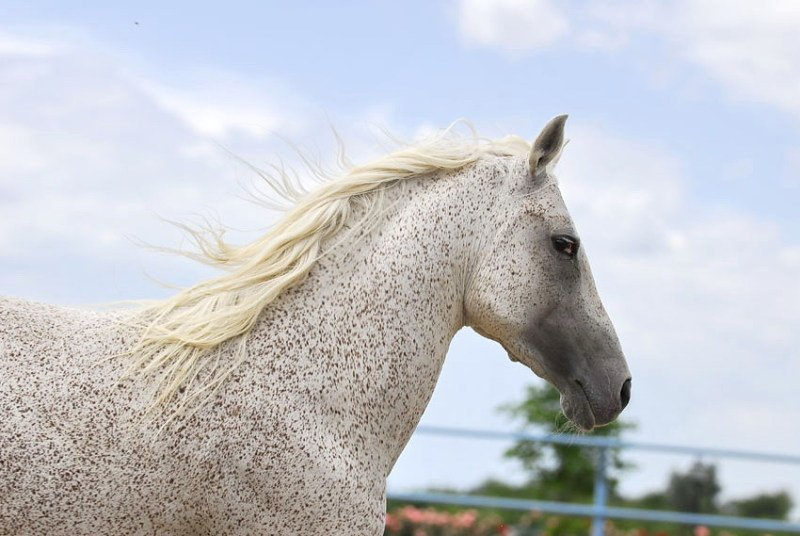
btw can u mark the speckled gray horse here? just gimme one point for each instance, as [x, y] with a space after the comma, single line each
[276, 398]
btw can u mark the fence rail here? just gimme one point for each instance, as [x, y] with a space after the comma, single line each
[599, 510]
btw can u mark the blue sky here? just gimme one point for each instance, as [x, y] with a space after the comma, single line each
[683, 173]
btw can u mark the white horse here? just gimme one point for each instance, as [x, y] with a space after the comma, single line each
[275, 398]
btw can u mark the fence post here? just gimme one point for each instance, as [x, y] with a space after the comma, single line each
[600, 492]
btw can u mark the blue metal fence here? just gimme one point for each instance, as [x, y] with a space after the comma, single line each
[600, 511]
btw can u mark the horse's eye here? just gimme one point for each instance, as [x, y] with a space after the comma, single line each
[566, 245]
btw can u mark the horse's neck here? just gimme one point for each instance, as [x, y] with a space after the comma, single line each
[378, 317]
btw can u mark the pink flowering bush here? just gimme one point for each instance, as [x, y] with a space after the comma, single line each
[413, 521]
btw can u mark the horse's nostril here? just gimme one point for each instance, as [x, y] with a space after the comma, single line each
[625, 394]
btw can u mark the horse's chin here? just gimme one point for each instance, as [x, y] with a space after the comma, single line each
[577, 409]
[574, 402]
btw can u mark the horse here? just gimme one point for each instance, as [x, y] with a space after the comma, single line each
[276, 397]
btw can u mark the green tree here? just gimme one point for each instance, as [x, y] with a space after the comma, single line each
[766, 505]
[560, 472]
[695, 490]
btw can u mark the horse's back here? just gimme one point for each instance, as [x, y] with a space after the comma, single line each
[71, 458]
[37, 350]
[51, 395]
[42, 347]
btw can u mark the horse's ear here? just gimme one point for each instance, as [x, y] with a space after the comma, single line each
[547, 147]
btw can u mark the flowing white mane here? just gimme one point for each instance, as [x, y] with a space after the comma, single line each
[181, 335]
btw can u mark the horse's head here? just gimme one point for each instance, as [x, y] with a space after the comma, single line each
[532, 291]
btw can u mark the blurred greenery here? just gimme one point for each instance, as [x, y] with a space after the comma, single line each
[765, 505]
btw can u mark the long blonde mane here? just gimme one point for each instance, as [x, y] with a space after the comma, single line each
[182, 336]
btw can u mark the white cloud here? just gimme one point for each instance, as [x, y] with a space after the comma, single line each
[511, 25]
[223, 105]
[17, 46]
[91, 155]
[748, 47]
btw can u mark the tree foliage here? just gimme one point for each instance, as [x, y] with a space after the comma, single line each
[695, 490]
[765, 505]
